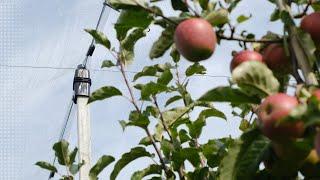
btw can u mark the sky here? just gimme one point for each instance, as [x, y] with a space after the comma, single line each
[34, 101]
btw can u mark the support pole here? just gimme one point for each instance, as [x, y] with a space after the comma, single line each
[81, 87]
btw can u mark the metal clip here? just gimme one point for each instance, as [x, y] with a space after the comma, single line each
[81, 82]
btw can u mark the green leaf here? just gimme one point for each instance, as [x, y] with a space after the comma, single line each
[127, 45]
[218, 17]
[152, 88]
[172, 115]
[72, 155]
[228, 94]
[62, 152]
[107, 64]
[255, 78]
[120, 4]
[47, 166]
[102, 163]
[162, 44]
[104, 93]
[173, 99]
[196, 68]
[179, 5]
[190, 154]
[138, 119]
[99, 37]
[128, 157]
[131, 18]
[74, 168]
[146, 141]
[175, 54]
[165, 77]
[214, 151]
[212, 112]
[167, 148]
[308, 46]
[146, 71]
[152, 169]
[242, 18]
[183, 136]
[316, 6]
[204, 4]
[286, 18]
[244, 156]
[275, 15]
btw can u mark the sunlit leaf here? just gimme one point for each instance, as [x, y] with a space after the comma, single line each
[99, 37]
[255, 78]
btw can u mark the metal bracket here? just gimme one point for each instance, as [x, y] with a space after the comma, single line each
[81, 82]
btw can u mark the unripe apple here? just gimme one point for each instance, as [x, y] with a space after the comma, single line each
[195, 39]
[243, 56]
[276, 59]
[311, 24]
[272, 110]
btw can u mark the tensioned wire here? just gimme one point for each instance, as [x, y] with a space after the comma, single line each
[99, 26]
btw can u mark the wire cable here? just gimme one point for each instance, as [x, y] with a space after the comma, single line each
[84, 63]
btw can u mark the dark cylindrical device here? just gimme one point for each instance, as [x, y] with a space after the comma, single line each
[81, 82]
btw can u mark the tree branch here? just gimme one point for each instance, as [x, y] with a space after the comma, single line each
[304, 12]
[137, 108]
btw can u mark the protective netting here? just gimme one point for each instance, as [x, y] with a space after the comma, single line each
[41, 43]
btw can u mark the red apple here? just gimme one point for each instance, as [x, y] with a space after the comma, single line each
[243, 56]
[316, 93]
[311, 24]
[273, 109]
[195, 39]
[276, 59]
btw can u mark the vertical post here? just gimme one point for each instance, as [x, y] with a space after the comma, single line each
[81, 87]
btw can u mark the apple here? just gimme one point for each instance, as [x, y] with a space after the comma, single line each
[272, 110]
[195, 39]
[311, 25]
[243, 56]
[276, 59]
[316, 94]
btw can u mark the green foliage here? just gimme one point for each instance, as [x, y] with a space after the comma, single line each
[244, 156]
[128, 157]
[47, 166]
[152, 169]
[169, 115]
[104, 93]
[99, 38]
[102, 163]
[255, 79]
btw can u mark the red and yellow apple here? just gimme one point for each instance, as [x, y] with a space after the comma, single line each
[243, 56]
[272, 110]
[195, 39]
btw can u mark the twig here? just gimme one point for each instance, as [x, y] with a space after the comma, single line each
[304, 12]
[239, 39]
[162, 118]
[137, 108]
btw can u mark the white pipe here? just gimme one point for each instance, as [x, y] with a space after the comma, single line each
[84, 138]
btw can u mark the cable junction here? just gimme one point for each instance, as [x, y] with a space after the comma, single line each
[99, 26]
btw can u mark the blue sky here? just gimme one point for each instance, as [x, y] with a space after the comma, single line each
[51, 34]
